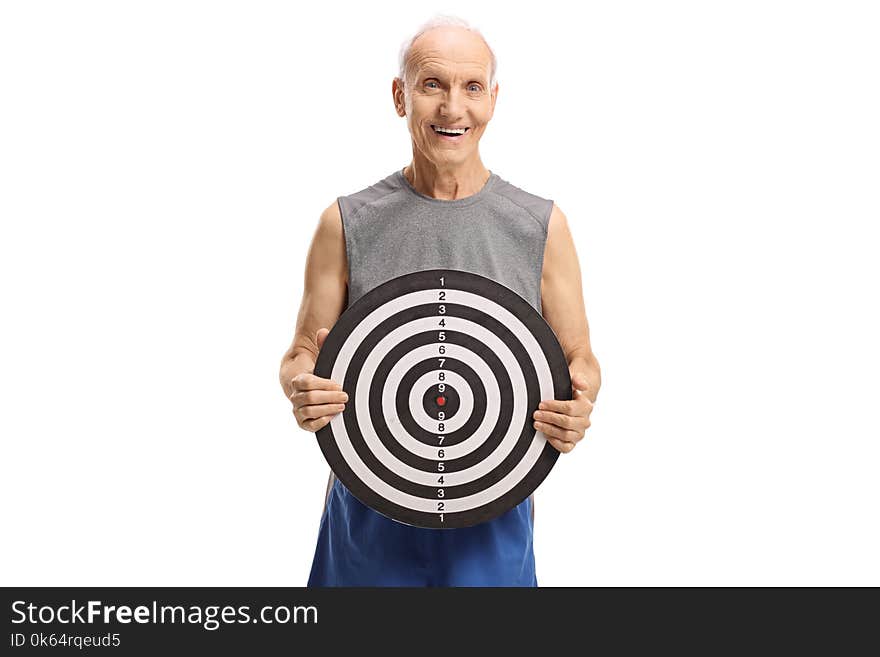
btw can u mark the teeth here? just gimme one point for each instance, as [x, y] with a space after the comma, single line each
[450, 131]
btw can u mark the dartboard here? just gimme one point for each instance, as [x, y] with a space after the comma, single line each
[443, 369]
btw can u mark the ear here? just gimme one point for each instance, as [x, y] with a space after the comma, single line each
[494, 98]
[397, 95]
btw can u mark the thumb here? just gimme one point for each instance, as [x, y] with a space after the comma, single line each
[322, 335]
[579, 381]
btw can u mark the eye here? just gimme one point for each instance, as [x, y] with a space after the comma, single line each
[429, 82]
[477, 88]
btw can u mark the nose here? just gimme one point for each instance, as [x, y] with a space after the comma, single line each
[452, 104]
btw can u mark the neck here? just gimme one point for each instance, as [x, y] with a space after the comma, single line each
[446, 183]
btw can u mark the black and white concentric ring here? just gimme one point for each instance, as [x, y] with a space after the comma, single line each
[394, 447]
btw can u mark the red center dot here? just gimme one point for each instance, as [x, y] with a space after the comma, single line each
[441, 401]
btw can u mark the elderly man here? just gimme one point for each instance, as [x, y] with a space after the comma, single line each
[443, 210]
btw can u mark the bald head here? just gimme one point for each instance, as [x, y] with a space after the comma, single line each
[448, 38]
[447, 93]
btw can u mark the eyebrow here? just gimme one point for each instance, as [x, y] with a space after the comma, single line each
[436, 73]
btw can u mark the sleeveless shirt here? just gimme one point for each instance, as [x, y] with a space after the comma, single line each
[391, 229]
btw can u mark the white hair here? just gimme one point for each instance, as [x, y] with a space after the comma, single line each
[442, 20]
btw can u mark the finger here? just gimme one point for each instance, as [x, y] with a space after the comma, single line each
[319, 410]
[579, 405]
[552, 430]
[321, 337]
[581, 396]
[558, 406]
[561, 445]
[559, 419]
[308, 381]
[317, 423]
[307, 397]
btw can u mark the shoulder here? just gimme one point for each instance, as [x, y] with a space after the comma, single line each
[559, 247]
[558, 222]
[345, 207]
[351, 204]
[330, 222]
[537, 206]
[327, 258]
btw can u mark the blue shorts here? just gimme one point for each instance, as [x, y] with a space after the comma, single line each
[360, 547]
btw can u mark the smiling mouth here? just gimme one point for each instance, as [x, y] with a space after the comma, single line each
[448, 132]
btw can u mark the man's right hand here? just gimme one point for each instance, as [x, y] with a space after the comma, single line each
[316, 400]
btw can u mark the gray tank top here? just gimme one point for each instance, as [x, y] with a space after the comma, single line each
[391, 230]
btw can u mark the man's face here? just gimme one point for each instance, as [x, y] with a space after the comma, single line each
[447, 86]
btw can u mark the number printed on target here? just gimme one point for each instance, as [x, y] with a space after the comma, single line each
[443, 370]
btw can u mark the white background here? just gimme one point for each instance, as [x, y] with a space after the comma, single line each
[162, 169]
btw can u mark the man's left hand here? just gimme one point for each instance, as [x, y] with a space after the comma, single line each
[564, 422]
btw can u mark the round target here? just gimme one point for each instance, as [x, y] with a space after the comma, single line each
[444, 370]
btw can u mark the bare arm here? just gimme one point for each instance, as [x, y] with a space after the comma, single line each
[562, 301]
[324, 299]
